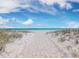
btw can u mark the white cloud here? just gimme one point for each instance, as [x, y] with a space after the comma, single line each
[7, 6]
[69, 6]
[28, 22]
[69, 24]
[72, 24]
[61, 3]
[76, 10]
[5, 26]
[3, 21]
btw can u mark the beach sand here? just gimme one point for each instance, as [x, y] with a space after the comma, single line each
[40, 44]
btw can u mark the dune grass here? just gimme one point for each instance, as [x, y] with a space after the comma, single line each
[69, 30]
[7, 36]
[68, 39]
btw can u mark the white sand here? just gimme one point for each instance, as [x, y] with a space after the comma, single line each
[36, 44]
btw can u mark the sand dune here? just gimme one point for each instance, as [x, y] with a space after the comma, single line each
[43, 44]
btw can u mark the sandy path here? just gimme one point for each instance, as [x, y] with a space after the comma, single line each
[41, 46]
[35, 44]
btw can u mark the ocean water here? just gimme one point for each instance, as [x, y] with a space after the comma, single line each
[36, 28]
[32, 28]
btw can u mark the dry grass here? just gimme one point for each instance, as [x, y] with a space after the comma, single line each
[68, 38]
[7, 36]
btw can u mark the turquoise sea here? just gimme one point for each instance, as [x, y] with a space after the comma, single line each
[32, 28]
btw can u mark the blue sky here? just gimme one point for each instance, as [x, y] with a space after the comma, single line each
[39, 13]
